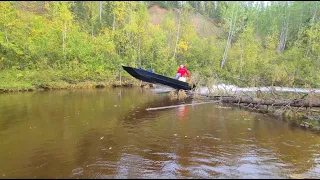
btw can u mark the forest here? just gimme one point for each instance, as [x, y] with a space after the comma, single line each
[52, 43]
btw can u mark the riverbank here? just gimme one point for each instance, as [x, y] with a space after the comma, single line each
[21, 81]
[25, 86]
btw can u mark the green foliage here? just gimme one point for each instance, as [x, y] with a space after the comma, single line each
[68, 41]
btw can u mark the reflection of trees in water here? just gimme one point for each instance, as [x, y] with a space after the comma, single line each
[15, 108]
[144, 140]
[55, 116]
[19, 107]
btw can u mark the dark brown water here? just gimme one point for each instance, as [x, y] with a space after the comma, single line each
[108, 134]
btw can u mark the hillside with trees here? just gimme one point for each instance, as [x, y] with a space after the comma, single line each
[244, 43]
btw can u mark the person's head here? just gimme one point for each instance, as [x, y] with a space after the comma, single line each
[181, 66]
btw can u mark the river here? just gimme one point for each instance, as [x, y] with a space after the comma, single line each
[107, 133]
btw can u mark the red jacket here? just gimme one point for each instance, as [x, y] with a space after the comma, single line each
[183, 71]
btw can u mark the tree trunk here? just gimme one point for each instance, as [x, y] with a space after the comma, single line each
[120, 79]
[284, 31]
[63, 41]
[231, 33]
[281, 45]
[92, 30]
[175, 49]
[5, 29]
[299, 31]
[100, 10]
[241, 57]
[27, 37]
[168, 52]
[64, 34]
[300, 23]
[114, 21]
[197, 5]
[7, 40]
[139, 51]
[284, 102]
[309, 40]
[287, 28]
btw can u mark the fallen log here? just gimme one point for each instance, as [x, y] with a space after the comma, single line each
[275, 102]
[210, 96]
[174, 106]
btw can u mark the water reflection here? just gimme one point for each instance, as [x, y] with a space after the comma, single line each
[183, 112]
[109, 134]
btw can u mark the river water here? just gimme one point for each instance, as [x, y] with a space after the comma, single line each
[107, 133]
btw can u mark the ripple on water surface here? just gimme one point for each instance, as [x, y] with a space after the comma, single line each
[107, 133]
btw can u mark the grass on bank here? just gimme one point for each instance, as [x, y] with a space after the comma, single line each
[28, 80]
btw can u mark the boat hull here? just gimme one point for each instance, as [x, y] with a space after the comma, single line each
[156, 78]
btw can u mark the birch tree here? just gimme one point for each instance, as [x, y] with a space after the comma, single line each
[100, 10]
[7, 20]
[312, 23]
[284, 28]
[231, 33]
[178, 33]
[64, 19]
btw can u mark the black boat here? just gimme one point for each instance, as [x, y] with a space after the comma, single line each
[156, 78]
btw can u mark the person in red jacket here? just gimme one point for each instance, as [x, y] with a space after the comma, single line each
[186, 71]
[182, 71]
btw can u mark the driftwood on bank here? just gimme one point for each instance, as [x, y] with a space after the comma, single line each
[274, 102]
[303, 101]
